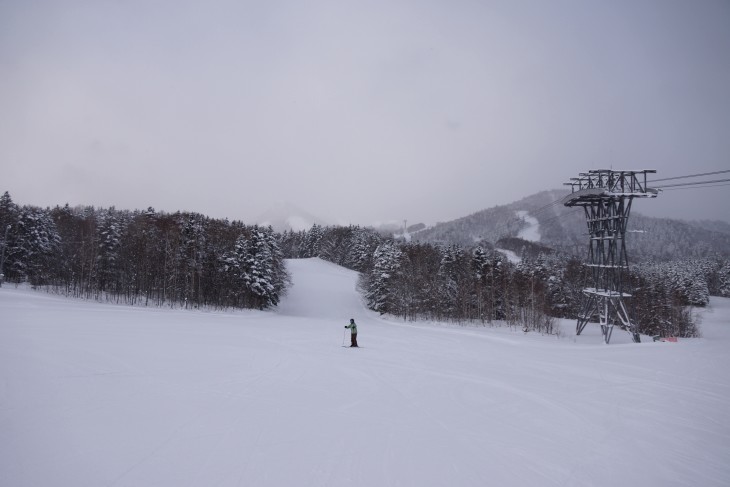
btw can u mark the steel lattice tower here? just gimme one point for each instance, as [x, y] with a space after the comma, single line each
[606, 197]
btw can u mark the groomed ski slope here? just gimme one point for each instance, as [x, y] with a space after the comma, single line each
[105, 395]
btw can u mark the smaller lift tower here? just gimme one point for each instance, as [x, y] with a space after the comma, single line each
[606, 196]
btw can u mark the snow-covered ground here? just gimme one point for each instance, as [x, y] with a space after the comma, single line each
[104, 395]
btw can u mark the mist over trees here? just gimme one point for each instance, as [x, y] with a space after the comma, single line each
[189, 260]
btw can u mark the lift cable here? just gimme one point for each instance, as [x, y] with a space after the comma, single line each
[689, 176]
[692, 184]
[705, 185]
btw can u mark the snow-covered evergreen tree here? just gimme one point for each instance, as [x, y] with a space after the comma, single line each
[110, 228]
[235, 264]
[449, 278]
[281, 279]
[259, 265]
[362, 249]
[661, 298]
[312, 239]
[190, 258]
[480, 293]
[257, 269]
[724, 279]
[8, 218]
[8, 212]
[33, 246]
[380, 292]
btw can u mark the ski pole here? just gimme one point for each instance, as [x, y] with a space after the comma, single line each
[344, 334]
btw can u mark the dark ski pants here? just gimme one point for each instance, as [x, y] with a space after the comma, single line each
[353, 339]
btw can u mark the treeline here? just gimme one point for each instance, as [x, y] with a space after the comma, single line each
[352, 247]
[418, 281]
[665, 293]
[189, 260]
[142, 257]
[421, 281]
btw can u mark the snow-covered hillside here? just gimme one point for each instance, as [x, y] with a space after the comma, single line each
[543, 218]
[104, 395]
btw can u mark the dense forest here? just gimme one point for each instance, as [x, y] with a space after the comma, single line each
[179, 260]
[189, 260]
[422, 281]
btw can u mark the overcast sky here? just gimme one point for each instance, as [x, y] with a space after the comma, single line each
[358, 111]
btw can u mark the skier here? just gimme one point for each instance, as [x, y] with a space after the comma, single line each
[353, 332]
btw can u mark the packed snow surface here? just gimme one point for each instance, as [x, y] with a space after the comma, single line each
[106, 395]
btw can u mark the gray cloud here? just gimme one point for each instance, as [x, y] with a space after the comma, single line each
[357, 111]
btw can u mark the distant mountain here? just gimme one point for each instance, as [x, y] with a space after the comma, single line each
[497, 222]
[287, 216]
[542, 218]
